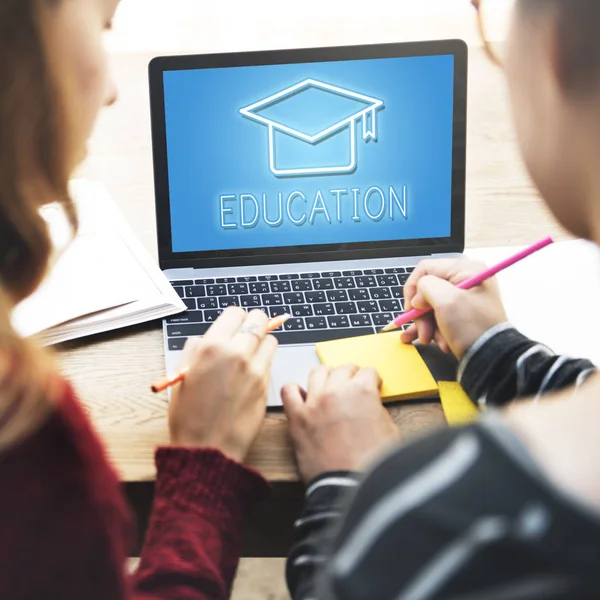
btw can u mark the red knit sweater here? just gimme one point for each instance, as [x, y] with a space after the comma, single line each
[65, 529]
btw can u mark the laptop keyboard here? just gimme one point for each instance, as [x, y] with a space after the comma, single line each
[324, 305]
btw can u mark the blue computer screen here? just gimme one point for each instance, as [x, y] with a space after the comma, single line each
[304, 154]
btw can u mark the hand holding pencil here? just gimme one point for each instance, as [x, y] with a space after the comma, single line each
[222, 402]
[459, 316]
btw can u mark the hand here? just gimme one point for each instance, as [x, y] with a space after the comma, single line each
[340, 423]
[222, 400]
[460, 317]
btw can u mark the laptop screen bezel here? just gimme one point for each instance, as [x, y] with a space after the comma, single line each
[310, 253]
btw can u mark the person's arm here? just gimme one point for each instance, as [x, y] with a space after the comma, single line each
[497, 363]
[454, 515]
[193, 543]
[504, 365]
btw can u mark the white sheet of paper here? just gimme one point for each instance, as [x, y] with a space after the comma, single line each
[553, 296]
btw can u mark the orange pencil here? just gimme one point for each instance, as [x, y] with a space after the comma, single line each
[167, 382]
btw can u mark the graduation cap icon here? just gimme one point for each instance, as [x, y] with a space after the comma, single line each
[312, 127]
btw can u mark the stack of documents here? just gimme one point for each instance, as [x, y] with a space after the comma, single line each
[104, 279]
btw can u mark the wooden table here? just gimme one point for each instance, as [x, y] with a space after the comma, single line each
[112, 372]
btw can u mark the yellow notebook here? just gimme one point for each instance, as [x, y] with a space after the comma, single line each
[404, 373]
[458, 408]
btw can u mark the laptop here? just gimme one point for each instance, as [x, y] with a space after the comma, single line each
[308, 182]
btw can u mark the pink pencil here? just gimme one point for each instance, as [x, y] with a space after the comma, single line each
[414, 313]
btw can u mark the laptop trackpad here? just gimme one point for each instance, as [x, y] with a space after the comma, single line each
[292, 364]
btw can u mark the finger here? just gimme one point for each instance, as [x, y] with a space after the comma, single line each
[251, 333]
[423, 268]
[438, 293]
[317, 380]
[448, 269]
[293, 403]
[263, 357]
[369, 376]
[342, 375]
[441, 342]
[409, 335]
[426, 327]
[227, 324]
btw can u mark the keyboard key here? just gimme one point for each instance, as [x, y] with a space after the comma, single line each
[344, 283]
[190, 303]
[177, 343]
[323, 284]
[281, 286]
[259, 288]
[309, 275]
[302, 310]
[324, 309]
[393, 305]
[380, 293]
[382, 319]
[226, 280]
[337, 296]
[190, 316]
[373, 271]
[316, 323]
[302, 285]
[410, 269]
[215, 290]
[397, 292]
[272, 299]
[263, 308]
[212, 315]
[246, 279]
[360, 321]
[225, 301]
[268, 278]
[187, 330]
[289, 277]
[237, 289]
[294, 325]
[314, 297]
[338, 322]
[396, 270]
[351, 273]
[294, 298]
[207, 302]
[402, 279]
[250, 301]
[182, 282]
[387, 280]
[331, 274]
[193, 291]
[368, 307]
[366, 281]
[277, 311]
[180, 291]
[204, 281]
[359, 294]
[346, 308]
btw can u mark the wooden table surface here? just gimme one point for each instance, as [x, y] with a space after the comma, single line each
[112, 372]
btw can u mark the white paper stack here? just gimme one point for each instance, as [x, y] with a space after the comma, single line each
[104, 280]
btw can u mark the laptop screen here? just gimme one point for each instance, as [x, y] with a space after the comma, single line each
[316, 153]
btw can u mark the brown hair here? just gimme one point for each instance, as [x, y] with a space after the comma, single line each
[33, 171]
[579, 40]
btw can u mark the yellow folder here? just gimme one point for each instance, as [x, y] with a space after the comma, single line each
[458, 408]
[404, 373]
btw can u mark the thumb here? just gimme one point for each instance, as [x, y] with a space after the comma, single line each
[293, 400]
[436, 293]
